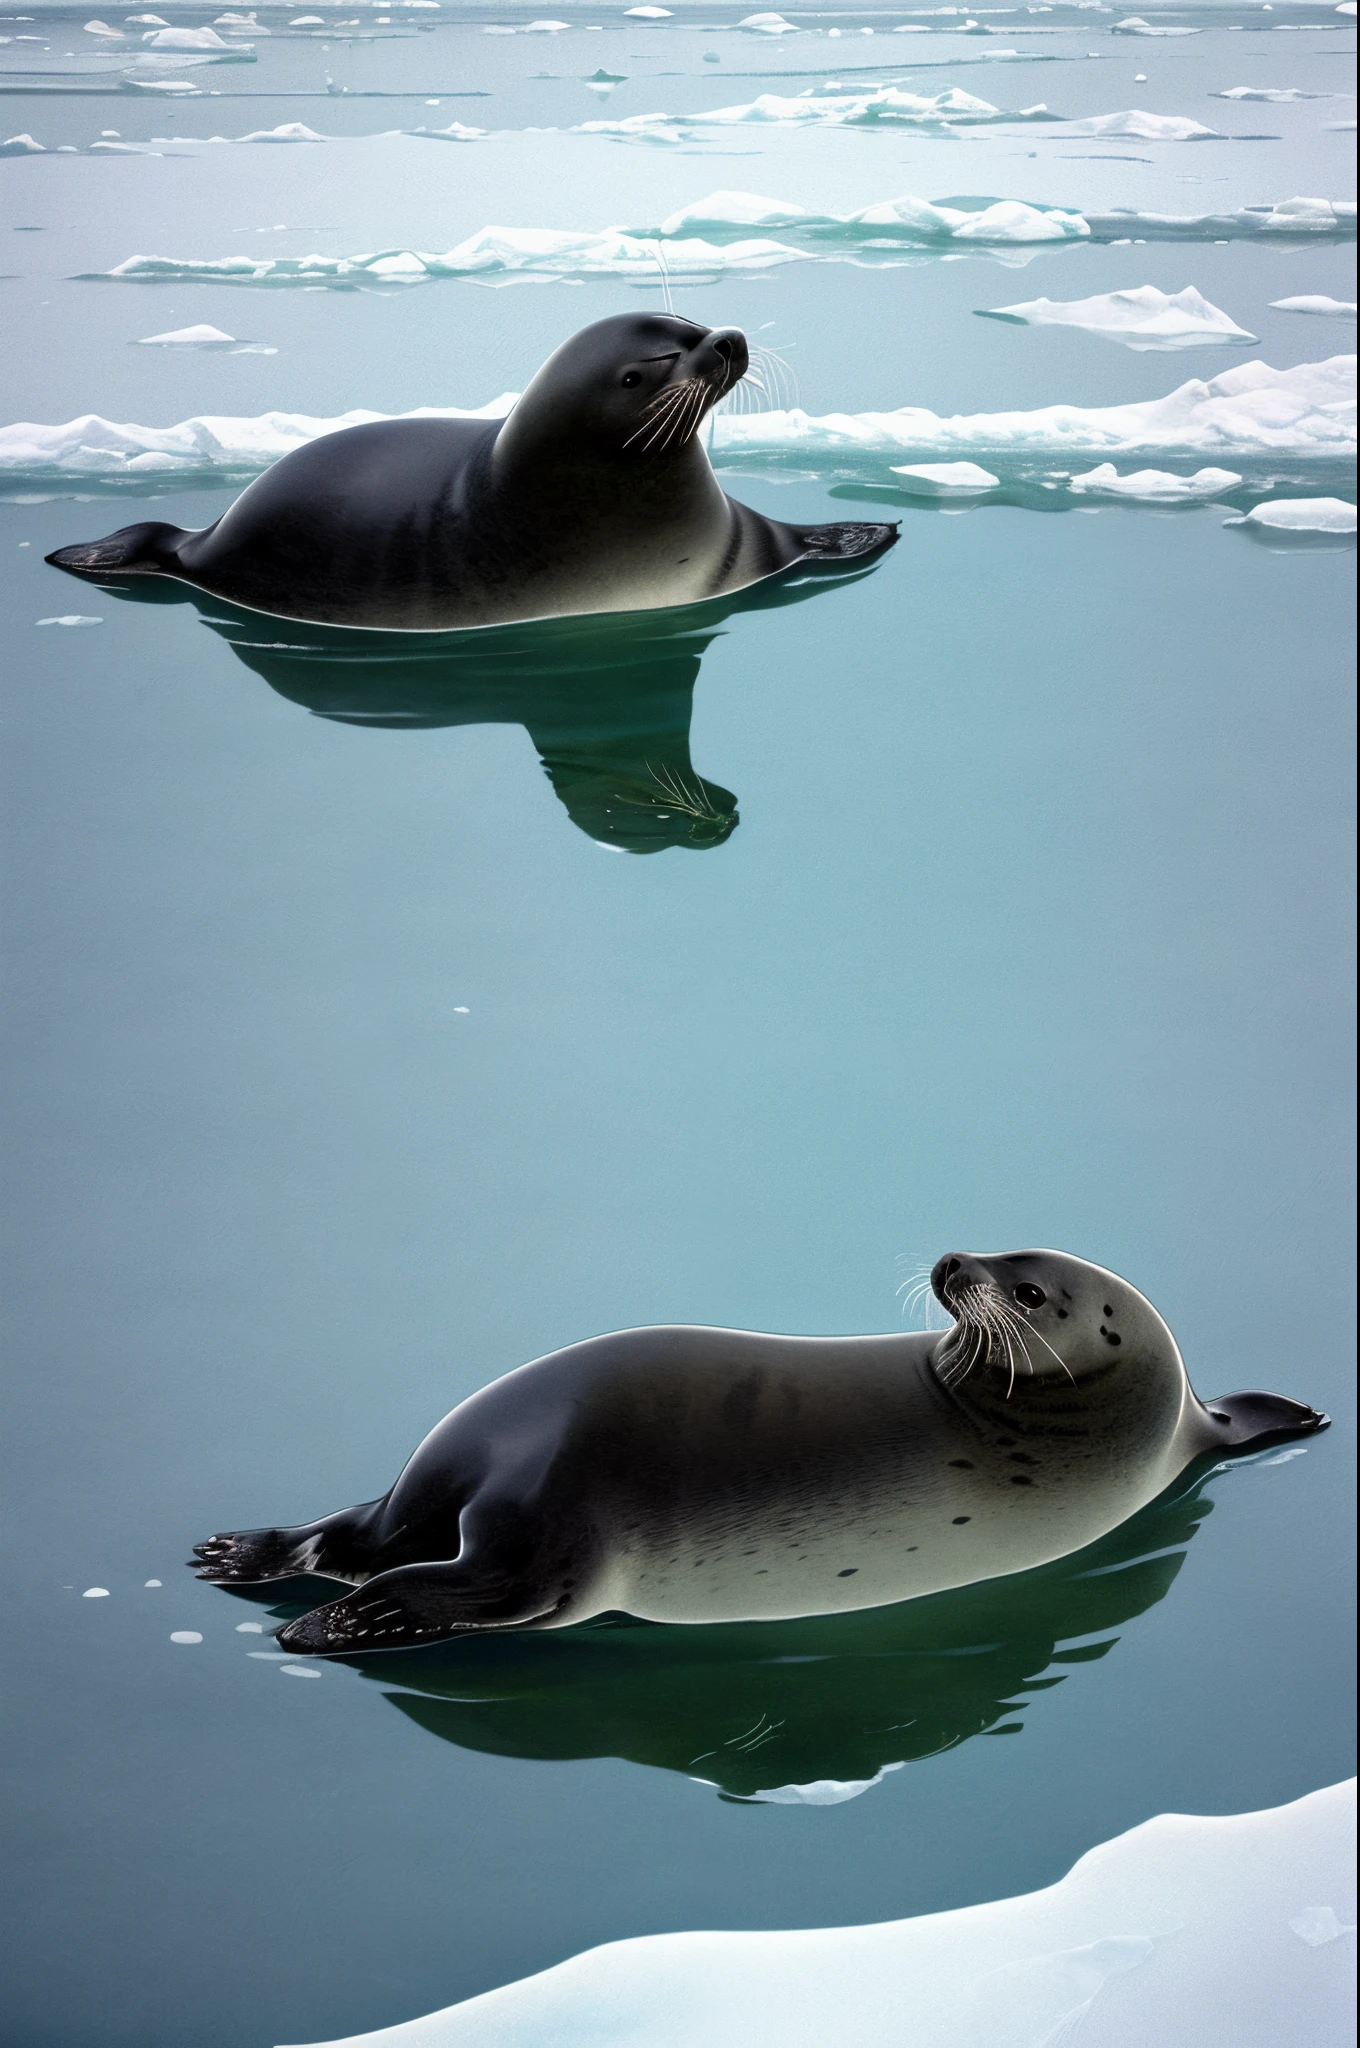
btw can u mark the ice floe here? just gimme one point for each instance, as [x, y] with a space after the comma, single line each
[1317, 302]
[1154, 486]
[945, 479]
[1275, 95]
[189, 337]
[1300, 515]
[1143, 318]
[1304, 415]
[1134, 25]
[79, 619]
[91, 1592]
[187, 39]
[1231, 1928]
[288, 131]
[21, 145]
[881, 106]
[768, 25]
[185, 1635]
[1137, 126]
[490, 253]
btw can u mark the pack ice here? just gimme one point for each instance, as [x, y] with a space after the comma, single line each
[1142, 319]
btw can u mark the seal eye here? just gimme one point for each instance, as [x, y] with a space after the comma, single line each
[1030, 1297]
[631, 377]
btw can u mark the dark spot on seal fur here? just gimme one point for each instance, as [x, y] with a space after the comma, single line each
[962, 1465]
[1021, 1458]
[1107, 1310]
[1019, 1479]
[961, 1518]
[1109, 1335]
[1062, 1315]
[849, 1573]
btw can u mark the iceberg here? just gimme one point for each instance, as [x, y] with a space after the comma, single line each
[1154, 486]
[1300, 515]
[1134, 25]
[290, 131]
[188, 337]
[768, 25]
[187, 39]
[1141, 319]
[1231, 1928]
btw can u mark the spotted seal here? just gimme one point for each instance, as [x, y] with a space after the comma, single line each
[688, 1474]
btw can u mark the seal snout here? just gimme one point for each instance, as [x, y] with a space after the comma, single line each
[952, 1273]
[722, 357]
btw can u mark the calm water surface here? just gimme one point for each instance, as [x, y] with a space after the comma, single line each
[348, 1070]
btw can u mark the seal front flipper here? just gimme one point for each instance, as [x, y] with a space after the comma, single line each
[150, 549]
[1255, 1421]
[422, 1603]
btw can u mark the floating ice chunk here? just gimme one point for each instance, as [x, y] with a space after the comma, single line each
[885, 105]
[1199, 1909]
[149, 1583]
[540, 28]
[188, 337]
[147, 20]
[1317, 302]
[647, 13]
[455, 132]
[101, 28]
[181, 86]
[269, 1656]
[1134, 25]
[1276, 95]
[187, 39]
[735, 209]
[1142, 319]
[91, 1592]
[768, 25]
[298, 1671]
[1154, 486]
[1346, 7]
[1300, 515]
[1142, 127]
[945, 479]
[185, 1635]
[250, 1628]
[307, 21]
[21, 145]
[1318, 1925]
[288, 131]
[78, 619]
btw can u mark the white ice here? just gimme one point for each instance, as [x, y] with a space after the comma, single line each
[1134, 25]
[1154, 486]
[79, 619]
[91, 1592]
[1317, 302]
[1184, 1929]
[250, 1628]
[945, 479]
[185, 1635]
[188, 39]
[1143, 318]
[1301, 515]
[768, 25]
[289, 131]
[1250, 410]
[1277, 95]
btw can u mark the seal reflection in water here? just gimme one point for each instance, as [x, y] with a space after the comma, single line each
[606, 702]
[800, 1712]
[595, 495]
[688, 1474]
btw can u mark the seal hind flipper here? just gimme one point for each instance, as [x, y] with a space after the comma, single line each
[418, 1604]
[246, 1557]
[846, 541]
[146, 550]
[1255, 1421]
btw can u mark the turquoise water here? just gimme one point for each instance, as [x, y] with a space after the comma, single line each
[348, 1071]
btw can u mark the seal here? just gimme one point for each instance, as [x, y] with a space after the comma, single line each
[595, 495]
[687, 1474]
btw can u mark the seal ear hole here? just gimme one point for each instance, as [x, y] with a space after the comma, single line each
[630, 378]
[1030, 1296]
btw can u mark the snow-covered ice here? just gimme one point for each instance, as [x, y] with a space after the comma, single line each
[1138, 126]
[185, 1635]
[1143, 318]
[91, 1592]
[1184, 1929]
[188, 337]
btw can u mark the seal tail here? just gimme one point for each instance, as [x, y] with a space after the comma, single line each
[146, 550]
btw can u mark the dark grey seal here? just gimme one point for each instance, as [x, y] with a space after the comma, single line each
[698, 1475]
[594, 496]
